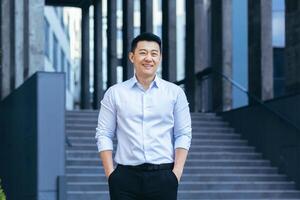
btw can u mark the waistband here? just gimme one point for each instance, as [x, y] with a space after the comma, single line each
[149, 167]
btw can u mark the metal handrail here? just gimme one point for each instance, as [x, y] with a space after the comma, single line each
[209, 70]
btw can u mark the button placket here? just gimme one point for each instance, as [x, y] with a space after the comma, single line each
[146, 110]
[143, 125]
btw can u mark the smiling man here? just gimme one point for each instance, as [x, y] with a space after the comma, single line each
[152, 122]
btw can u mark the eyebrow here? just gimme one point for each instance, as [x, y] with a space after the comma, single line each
[147, 50]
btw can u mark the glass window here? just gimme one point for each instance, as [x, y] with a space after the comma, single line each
[278, 23]
[137, 5]
[278, 29]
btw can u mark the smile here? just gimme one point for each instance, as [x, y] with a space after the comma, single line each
[148, 66]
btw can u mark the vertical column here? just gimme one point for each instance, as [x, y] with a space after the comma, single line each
[112, 60]
[192, 61]
[85, 59]
[1, 53]
[260, 53]
[146, 15]
[98, 79]
[169, 40]
[292, 50]
[221, 53]
[216, 53]
[26, 41]
[204, 93]
[128, 12]
[227, 53]
[12, 45]
[19, 42]
[22, 47]
[5, 47]
[34, 20]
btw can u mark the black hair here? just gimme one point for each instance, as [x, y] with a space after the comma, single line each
[146, 36]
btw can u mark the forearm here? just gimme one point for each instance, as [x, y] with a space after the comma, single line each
[180, 158]
[107, 162]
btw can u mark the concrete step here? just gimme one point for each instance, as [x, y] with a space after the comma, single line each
[212, 130]
[192, 155]
[75, 140]
[190, 162]
[202, 148]
[94, 115]
[197, 129]
[219, 142]
[220, 164]
[91, 134]
[241, 194]
[195, 141]
[192, 194]
[92, 123]
[84, 195]
[194, 185]
[200, 135]
[189, 170]
[210, 123]
[96, 112]
[206, 178]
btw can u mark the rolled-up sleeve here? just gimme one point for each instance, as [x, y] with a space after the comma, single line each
[182, 122]
[106, 126]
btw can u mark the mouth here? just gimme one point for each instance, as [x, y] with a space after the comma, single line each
[147, 66]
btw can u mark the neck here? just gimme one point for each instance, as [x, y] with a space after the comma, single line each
[145, 81]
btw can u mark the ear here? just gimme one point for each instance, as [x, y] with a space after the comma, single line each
[130, 56]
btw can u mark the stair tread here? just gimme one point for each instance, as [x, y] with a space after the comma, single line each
[196, 182]
[228, 172]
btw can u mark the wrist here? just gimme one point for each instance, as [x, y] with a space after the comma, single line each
[178, 169]
[108, 172]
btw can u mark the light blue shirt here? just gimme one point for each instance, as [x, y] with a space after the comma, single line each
[149, 124]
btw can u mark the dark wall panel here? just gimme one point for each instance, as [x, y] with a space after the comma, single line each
[32, 138]
[275, 138]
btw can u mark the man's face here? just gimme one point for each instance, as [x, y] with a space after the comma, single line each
[145, 58]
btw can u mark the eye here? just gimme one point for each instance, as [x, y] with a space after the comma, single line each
[154, 54]
[142, 53]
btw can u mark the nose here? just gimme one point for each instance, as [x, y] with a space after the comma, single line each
[148, 57]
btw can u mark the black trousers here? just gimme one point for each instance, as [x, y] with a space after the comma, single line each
[150, 183]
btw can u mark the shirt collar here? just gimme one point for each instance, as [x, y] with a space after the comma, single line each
[156, 81]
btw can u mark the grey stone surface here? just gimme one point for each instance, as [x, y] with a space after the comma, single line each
[227, 53]
[35, 48]
[292, 50]
[32, 138]
[221, 54]
[220, 165]
[267, 50]
[169, 65]
[22, 36]
[19, 42]
[260, 50]
[85, 60]
[5, 48]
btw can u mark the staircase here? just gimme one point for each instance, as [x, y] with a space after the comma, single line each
[220, 165]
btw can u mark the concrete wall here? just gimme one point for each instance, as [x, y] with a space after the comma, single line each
[275, 138]
[292, 50]
[32, 138]
[22, 42]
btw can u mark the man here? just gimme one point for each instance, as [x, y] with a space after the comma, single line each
[151, 120]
